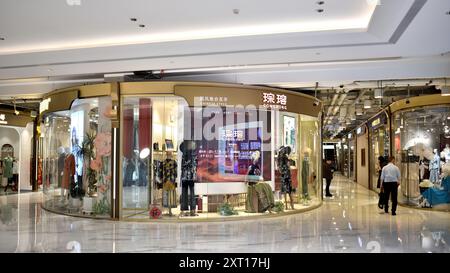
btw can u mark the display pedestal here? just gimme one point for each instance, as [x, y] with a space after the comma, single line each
[88, 204]
[74, 204]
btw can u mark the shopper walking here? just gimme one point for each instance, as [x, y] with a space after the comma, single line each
[390, 177]
[328, 175]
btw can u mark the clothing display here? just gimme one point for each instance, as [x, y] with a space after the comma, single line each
[69, 171]
[8, 167]
[436, 196]
[435, 165]
[169, 185]
[285, 171]
[158, 174]
[188, 175]
[61, 160]
[259, 198]
[305, 175]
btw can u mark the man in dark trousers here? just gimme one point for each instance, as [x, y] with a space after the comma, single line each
[328, 175]
[390, 177]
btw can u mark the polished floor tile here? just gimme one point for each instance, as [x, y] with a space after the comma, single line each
[348, 222]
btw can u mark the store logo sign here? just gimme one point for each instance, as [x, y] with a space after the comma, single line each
[44, 105]
[3, 119]
[274, 101]
[376, 122]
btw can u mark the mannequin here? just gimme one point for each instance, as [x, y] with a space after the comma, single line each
[7, 170]
[68, 173]
[445, 154]
[61, 157]
[305, 173]
[435, 164]
[422, 168]
[169, 186]
[188, 177]
[285, 171]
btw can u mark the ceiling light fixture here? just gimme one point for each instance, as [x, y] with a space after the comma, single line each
[133, 19]
[141, 25]
[367, 104]
[2, 38]
[359, 112]
[236, 11]
[319, 10]
[320, 2]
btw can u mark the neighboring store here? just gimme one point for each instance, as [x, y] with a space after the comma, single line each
[16, 146]
[379, 147]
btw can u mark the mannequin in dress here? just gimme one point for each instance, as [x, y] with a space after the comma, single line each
[435, 165]
[285, 171]
[445, 154]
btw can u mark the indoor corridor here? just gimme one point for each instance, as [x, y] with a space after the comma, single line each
[350, 221]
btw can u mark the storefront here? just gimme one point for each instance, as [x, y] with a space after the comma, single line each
[362, 156]
[351, 155]
[422, 149]
[180, 151]
[379, 147]
[16, 146]
[214, 151]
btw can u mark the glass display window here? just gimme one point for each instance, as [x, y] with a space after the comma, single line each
[422, 151]
[379, 144]
[76, 158]
[199, 162]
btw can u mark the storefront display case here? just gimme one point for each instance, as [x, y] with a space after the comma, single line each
[379, 147]
[75, 136]
[180, 151]
[204, 151]
[421, 145]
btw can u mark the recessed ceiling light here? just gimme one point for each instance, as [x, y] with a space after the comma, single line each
[320, 2]
[319, 10]
[133, 19]
[141, 25]
[236, 11]
[2, 38]
[448, 12]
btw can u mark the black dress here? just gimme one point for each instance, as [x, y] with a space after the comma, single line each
[285, 171]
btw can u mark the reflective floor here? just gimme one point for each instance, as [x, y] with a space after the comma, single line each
[348, 222]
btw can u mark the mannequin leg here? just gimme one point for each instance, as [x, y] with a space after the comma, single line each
[192, 204]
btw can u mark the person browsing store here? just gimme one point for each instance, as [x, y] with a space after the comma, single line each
[390, 177]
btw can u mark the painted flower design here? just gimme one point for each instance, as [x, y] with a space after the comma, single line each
[102, 188]
[102, 144]
[96, 164]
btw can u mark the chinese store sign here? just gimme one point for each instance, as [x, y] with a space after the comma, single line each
[274, 101]
[214, 101]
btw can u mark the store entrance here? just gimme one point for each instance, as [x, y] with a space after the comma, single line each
[152, 129]
[379, 141]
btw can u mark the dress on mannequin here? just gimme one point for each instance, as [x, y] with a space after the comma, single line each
[188, 176]
[435, 164]
[69, 172]
[305, 175]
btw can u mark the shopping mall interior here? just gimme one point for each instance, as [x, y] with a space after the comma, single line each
[225, 127]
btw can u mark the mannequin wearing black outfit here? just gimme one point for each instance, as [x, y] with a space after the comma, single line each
[188, 177]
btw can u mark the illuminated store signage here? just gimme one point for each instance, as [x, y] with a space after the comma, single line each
[213, 101]
[274, 101]
[3, 119]
[376, 122]
[43, 106]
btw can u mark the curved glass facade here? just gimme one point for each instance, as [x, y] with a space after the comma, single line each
[76, 158]
[422, 151]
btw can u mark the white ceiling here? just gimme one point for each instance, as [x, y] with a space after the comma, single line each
[32, 26]
[401, 39]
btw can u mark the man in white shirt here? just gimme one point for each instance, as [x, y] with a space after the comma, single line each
[390, 176]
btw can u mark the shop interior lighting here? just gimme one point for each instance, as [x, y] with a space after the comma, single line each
[359, 111]
[144, 153]
[367, 104]
[378, 92]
